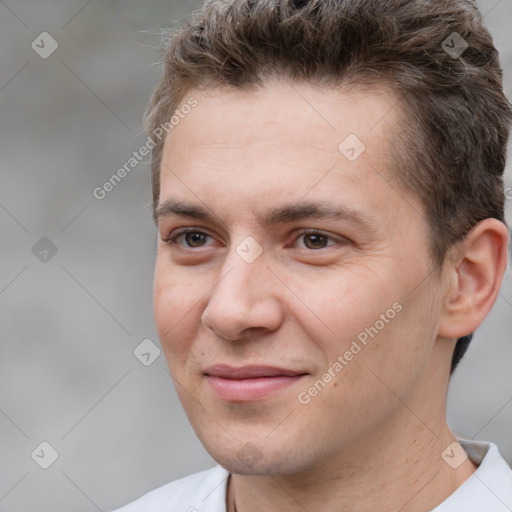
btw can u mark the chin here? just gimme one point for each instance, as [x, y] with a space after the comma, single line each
[247, 459]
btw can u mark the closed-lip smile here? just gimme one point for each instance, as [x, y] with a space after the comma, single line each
[249, 383]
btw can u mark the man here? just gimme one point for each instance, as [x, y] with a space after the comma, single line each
[329, 202]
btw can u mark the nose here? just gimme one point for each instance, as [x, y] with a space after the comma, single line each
[245, 299]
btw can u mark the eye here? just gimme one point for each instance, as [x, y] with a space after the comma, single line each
[192, 238]
[315, 240]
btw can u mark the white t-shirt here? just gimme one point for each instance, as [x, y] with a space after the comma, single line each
[488, 489]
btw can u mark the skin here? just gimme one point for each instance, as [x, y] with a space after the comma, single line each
[372, 438]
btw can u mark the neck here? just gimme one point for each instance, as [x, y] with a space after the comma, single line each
[407, 476]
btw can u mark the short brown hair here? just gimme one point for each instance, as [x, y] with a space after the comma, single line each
[451, 151]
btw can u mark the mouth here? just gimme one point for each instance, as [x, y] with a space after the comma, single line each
[249, 383]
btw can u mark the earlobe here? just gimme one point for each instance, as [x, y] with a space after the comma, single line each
[477, 273]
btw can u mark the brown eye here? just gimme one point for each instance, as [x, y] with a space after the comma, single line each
[194, 238]
[317, 241]
[314, 240]
[187, 239]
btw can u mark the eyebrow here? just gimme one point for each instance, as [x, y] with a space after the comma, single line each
[286, 213]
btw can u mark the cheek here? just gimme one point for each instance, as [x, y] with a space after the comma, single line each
[379, 322]
[344, 304]
[176, 310]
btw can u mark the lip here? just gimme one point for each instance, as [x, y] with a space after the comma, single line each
[249, 383]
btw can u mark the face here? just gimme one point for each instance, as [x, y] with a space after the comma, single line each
[294, 293]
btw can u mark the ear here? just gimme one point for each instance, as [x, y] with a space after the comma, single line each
[474, 275]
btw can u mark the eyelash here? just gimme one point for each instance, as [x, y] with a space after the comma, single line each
[172, 240]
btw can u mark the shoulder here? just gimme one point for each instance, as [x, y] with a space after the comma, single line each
[489, 488]
[200, 492]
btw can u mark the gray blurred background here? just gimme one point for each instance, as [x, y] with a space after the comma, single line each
[76, 272]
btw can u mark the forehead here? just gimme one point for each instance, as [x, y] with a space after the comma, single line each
[247, 150]
[312, 116]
